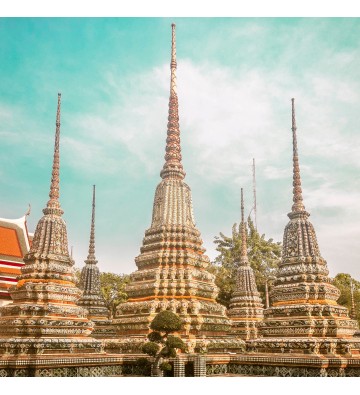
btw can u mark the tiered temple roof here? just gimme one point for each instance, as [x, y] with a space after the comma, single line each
[303, 297]
[44, 316]
[246, 308]
[15, 242]
[92, 298]
[172, 267]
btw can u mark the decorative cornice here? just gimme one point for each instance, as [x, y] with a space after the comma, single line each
[53, 205]
[173, 167]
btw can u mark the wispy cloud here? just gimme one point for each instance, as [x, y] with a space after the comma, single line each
[227, 118]
[235, 84]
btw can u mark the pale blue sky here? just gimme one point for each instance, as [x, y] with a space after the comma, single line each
[236, 77]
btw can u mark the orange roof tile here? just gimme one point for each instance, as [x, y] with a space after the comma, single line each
[9, 270]
[9, 242]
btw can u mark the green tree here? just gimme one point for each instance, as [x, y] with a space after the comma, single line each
[161, 344]
[264, 256]
[343, 282]
[113, 290]
[112, 287]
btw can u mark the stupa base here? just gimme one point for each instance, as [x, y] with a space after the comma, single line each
[19, 347]
[103, 330]
[221, 344]
[315, 346]
[275, 365]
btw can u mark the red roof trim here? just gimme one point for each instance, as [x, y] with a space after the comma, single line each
[11, 263]
[12, 279]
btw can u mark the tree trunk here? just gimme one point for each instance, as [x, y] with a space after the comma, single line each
[156, 371]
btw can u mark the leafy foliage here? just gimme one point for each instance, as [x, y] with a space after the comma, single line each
[112, 288]
[168, 352]
[162, 345]
[166, 321]
[165, 366]
[175, 342]
[143, 362]
[150, 348]
[343, 282]
[144, 366]
[155, 337]
[264, 256]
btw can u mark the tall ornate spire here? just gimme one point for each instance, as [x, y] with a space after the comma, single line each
[173, 167]
[245, 308]
[243, 255]
[53, 205]
[172, 265]
[302, 291]
[46, 289]
[91, 256]
[298, 206]
[92, 298]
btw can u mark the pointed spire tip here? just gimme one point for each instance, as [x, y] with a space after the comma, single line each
[298, 206]
[53, 205]
[91, 256]
[243, 253]
[173, 167]
[242, 205]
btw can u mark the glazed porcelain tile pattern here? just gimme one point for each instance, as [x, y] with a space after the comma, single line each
[246, 308]
[172, 267]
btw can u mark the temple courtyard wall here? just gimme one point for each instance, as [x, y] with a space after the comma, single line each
[184, 365]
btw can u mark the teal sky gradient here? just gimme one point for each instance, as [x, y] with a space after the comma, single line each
[236, 77]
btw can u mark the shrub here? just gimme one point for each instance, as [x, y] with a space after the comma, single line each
[175, 342]
[166, 321]
[155, 337]
[166, 366]
[142, 362]
[150, 348]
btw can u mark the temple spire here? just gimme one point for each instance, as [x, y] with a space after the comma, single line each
[243, 254]
[173, 167]
[53, 205]
[173, 64]
[245, 307]
[298, 205]
[91, 256]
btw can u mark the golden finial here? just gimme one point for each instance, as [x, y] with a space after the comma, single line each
[28, 211]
